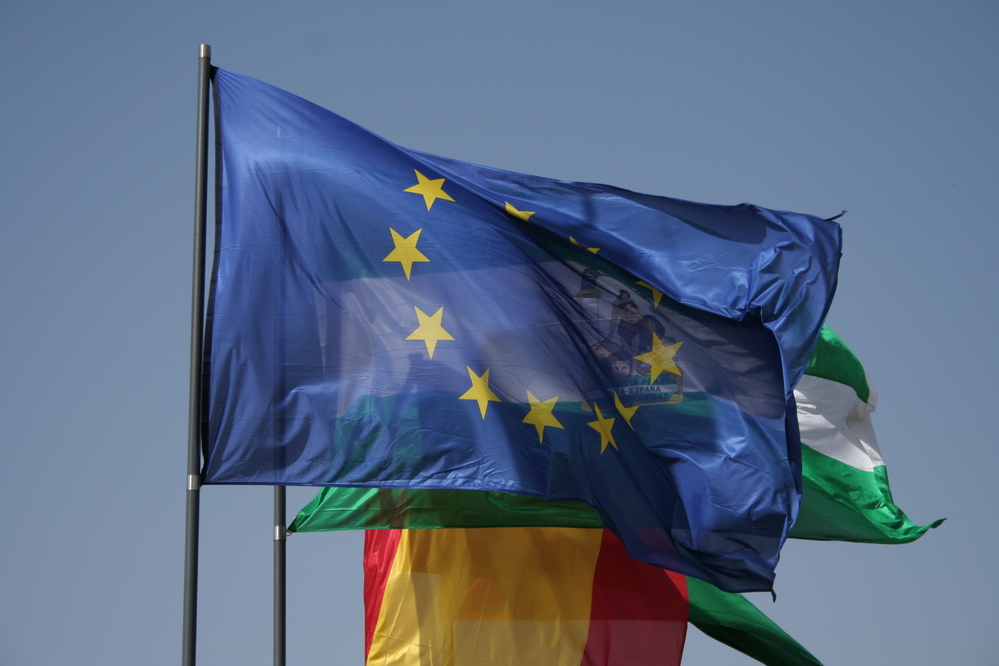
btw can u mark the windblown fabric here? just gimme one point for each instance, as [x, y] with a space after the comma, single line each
[384, 318]
[845, 497]
[545, 596]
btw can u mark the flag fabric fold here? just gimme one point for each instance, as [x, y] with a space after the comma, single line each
[560, 596]
[732, 619]
[385, 318]
[845, 497]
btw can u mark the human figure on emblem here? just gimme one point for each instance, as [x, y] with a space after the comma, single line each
[622, 300]
[630, 328]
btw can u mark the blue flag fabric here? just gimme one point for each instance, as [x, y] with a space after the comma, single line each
[382, 317]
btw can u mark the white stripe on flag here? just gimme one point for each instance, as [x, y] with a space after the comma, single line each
[836, 423]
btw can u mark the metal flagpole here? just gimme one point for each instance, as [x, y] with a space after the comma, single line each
[194, 403]
[280, 577]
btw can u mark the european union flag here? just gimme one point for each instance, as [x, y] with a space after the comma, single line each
[381, 317]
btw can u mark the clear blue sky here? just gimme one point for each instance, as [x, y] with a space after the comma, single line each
[887, 109]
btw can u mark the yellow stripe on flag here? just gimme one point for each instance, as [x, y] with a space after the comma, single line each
[496, 597]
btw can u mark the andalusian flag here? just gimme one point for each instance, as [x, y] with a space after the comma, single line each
[546, 597]
[845, 495]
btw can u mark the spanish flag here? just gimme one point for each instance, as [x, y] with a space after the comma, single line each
[544, 596]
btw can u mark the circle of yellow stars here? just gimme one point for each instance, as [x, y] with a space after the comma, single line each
[430, 330]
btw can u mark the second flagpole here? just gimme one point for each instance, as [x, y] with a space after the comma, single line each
[280, 576]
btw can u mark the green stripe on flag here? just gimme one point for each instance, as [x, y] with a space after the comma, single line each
[378, 508]
[733, 620]
[832, 359]
[842, 503]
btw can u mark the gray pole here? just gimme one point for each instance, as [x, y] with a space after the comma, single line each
[194, 403]
[280, 577]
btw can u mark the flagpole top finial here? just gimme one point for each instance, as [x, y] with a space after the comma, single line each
[206, 51]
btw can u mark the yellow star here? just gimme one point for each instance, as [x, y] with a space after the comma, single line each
[431, 190]
[405, 251]
[626, 412]
[430, 329]
[480, 391]
[594, 250]
[603, 426]
[656, 294]
[541, 415]
[525, 215]
[661, 358]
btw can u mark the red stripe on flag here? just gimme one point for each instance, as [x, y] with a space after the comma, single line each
[638, 612]
[380, 547]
